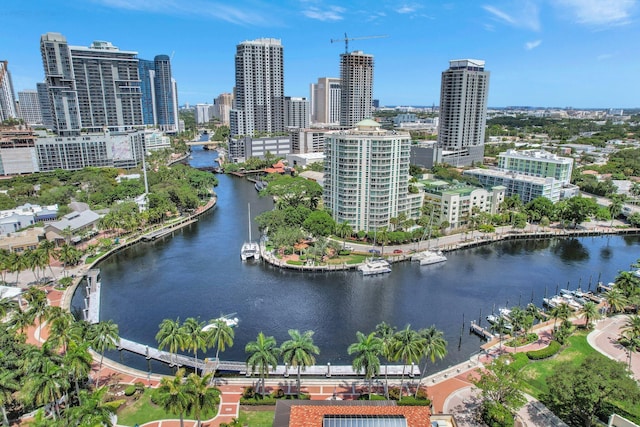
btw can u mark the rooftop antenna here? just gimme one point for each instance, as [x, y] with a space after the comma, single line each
[347, 39]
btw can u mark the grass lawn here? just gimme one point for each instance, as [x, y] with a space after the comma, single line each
[143, 410]
[536, 372]
[256, 418]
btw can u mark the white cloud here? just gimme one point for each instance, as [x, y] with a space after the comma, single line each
[532, 45]
[604, 56]
[525, 16]
[407, 8]
[332, 13]
[600, 12]
[203, 8]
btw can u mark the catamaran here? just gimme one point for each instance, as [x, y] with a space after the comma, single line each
[250, 249]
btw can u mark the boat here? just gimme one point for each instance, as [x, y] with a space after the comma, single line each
[250, 249]
[374, 266]
[493, 319]
[260, 185]
[637, 273]
[428, 257]
[232, 322]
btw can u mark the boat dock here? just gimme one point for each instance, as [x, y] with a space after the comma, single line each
[479, 330]
[164, 231]
[91, 312]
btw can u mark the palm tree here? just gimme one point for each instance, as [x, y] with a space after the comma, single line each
[367, 350]
[517, 317]
[632, 325]
[435, 346]
[590, 312]
[499, 326]
[48, 248]
[60, 330]
[77, 361]
[385, 332]
[299, 351]
[220, 336]
[18, 263]
[627, 283]
[104, 336]
[93, 410]
[170, 335]
[561, 311]
[173, 396]
[407, 345]
[201, 396]
[194, 337]
[7, 305]
[263, 353]
[69, 255]
[47, 386]
[344, 230]
[21, 320]
[8, 385]
[37, 300]
[615, 208]
[616, 300]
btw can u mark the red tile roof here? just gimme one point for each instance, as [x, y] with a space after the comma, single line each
[311, 416]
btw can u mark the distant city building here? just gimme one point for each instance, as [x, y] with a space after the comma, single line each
[366, 173]
[107, 149]
[222, 106]
[16, 219]
[426, 154]
[30, 107]
[530, 174]
[457, 203]
[17, 150]
[307, 140]
[242, 149]
[7, 95]
[404, 118]
[91, 88]
[45, 105]
[203, 113]
[325, 100]
[304, 159]
[463, 111]
[376, 103]
[156, 140]
[296, 112]
[356, 83]
[259, 89]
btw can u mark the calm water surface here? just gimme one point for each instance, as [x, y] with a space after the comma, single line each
[197, 272]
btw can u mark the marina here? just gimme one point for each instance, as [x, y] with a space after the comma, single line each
[374, 266]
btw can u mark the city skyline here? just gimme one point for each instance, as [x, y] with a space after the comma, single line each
[564, 53]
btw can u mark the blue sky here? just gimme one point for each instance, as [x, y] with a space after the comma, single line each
[579, 53]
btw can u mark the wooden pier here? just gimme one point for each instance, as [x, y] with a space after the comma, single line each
[164, 231]
[479, 330]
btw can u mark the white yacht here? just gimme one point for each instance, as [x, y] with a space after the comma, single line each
[428, 257]
[374, 266]
[230, 321]
[250, 249]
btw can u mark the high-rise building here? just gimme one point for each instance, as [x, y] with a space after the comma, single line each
[30, 107]
[463, 112]
[259, 90]
[147, 72]
[296, 112]
[325, 101]
[166, 96]
[92, 88]
[45, 106]
[202, 113]
[7, 95]
[356, 84]
[222, 106]
[366, 173]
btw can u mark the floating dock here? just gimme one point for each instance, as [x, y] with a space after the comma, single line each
[479, 330]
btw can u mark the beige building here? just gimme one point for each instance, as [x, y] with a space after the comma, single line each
[22, 240]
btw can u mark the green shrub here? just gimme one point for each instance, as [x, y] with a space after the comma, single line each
[412, 401]
[303, 257]
[496, 415]
[139, 385]
[543, 353]
[154, 397]
[294, 262]
[258, 401]
[249, 392]
[365, 396]
[130, 390]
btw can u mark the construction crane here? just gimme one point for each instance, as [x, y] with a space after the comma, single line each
[347, 39]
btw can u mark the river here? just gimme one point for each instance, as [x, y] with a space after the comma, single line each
[197, 272]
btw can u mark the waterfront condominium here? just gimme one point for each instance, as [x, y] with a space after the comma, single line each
[463, 112]
[92, 88]
[325, 101]
[29, 106]
[159, 97]
[259, 90]
[296, 112]
[7, 95]
[366, 173]
[356, 86]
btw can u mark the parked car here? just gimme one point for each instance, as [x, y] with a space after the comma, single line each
[397, 251]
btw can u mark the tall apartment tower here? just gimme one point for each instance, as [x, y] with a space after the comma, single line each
[366, 172]
[463, 112]
[45, 106]
[7, 95]
[259, 90]
[356, 81]
[30, 107]
[159, 99]
[222, 106]
[325, 100]
[61, 84]
[91, 88]
[296, 112]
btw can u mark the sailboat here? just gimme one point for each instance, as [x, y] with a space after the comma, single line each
[250, 249]
[428, 256]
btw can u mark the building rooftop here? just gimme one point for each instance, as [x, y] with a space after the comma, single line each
[535, 154]
[509, 175]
